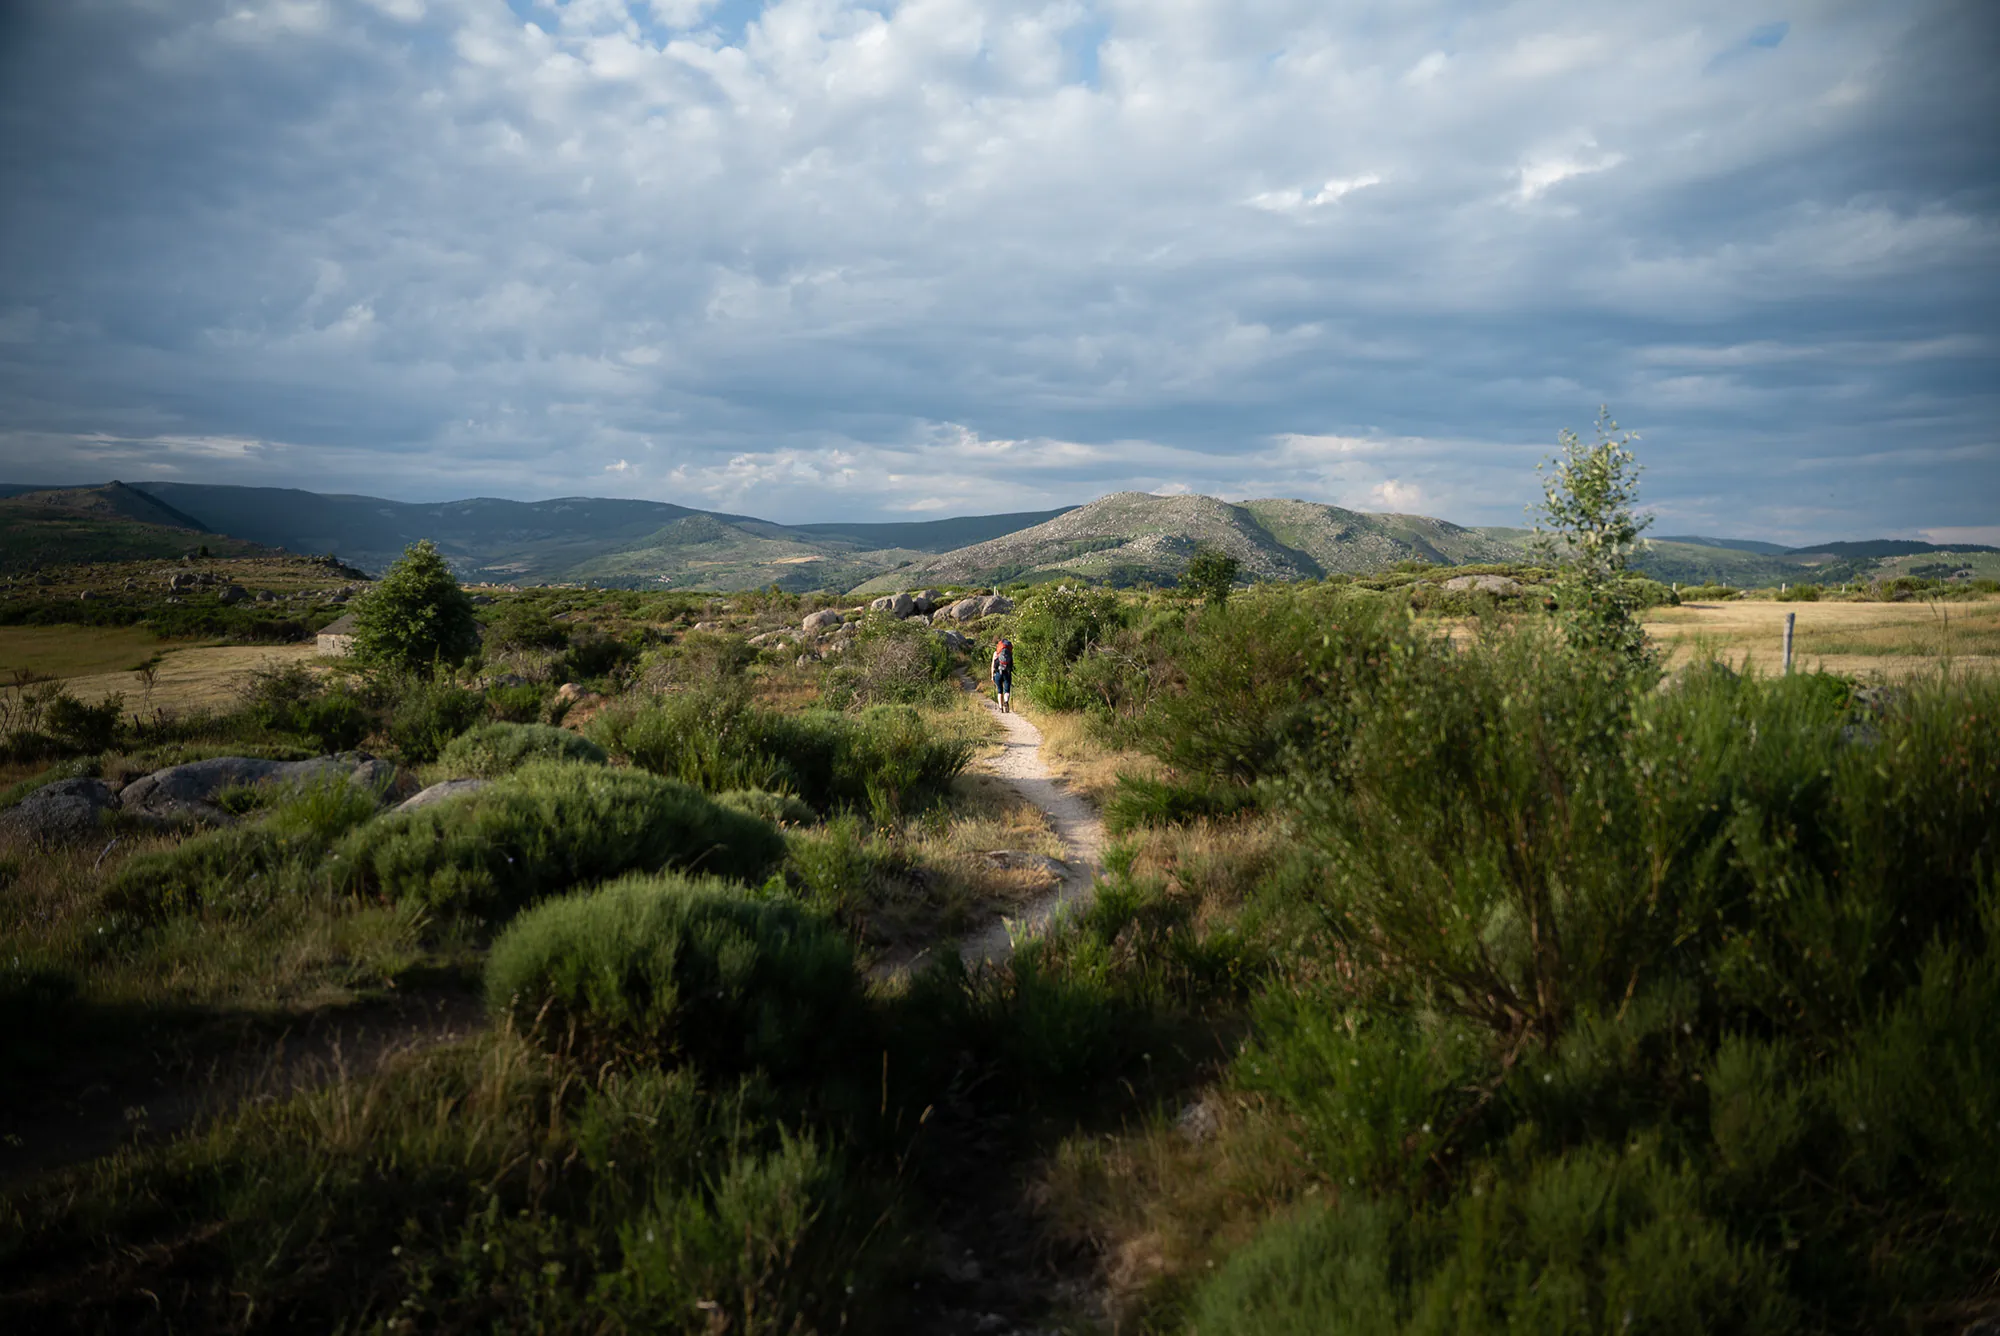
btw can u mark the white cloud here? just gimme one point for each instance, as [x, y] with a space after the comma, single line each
[818, 257]
[1984, 535]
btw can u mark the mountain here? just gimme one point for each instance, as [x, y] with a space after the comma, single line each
[112, 522]
[1133, 536]
[641, 544]
[1736, 544]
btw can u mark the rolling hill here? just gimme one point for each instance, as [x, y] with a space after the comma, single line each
[112, 522]
[1134, 536]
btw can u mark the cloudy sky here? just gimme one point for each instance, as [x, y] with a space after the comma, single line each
[811, 259]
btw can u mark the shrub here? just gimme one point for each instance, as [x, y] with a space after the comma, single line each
[887, 760]
[492, 750]
[78, 727]
[518, 703]
[1799, 593]
[239, 870]
[1209, 576]
[780, 809]
[1139, 802]
[547, 827]
[428, 713]
[416, 617]
[668, 968]
[891, 663]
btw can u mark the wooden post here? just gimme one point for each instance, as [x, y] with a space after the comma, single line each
[1790, 618]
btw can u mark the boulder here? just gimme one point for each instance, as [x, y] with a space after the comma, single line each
[1484, 584]
[440, 792]
[824, 620]
[266, 596]
[233, 594]
[896, 605]
[926, 601]
[965, 610]
[953, 640]
[993, 605]
[569, 693]
[707, 626]
[186, 793]
[58, 813]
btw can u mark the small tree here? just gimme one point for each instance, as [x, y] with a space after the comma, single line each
[1586, 526]
[416, 615]
[1210, 575]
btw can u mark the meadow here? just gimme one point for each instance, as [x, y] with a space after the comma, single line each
[1440, 975]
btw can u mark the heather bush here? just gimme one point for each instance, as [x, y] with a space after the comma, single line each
[545, 828]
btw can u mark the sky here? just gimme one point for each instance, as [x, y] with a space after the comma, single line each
[817, 260]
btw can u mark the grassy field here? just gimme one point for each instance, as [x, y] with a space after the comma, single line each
[1891, 640]
[73, 651]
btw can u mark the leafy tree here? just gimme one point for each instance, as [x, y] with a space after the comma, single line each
[416, 615]
[1586, 527]
[1210, 575]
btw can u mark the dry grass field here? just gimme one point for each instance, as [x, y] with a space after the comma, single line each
[189, 676]
[1889, 640]
[73, 651]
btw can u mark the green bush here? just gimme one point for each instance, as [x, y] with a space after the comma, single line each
[239, 870]
[297, 701]
[1709, 593]
[1799, 593]
[545, 828]
[677, 970]
[492, 750]
[1139, 801]
[521, 703]
[887, 760]
[78, 727]
[428, 713]
[1714, 957]
[780, 809]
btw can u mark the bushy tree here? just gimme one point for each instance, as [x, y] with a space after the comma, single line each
[416, 615]
[1586, 526]
[1210, 575]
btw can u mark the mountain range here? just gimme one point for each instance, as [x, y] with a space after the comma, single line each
[1126, 537]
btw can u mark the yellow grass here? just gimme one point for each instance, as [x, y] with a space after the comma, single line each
[206, 677]
[1889, 640]
[1073, 753]
[72, 651]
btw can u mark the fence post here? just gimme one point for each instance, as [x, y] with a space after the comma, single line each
[1790, 617]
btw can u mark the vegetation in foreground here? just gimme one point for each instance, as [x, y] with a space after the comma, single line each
[1502, 984]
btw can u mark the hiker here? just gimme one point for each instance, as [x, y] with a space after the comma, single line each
[1003, 673]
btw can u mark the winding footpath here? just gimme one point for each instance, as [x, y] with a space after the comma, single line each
[1074, 821]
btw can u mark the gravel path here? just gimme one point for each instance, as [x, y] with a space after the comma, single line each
[1075, 823]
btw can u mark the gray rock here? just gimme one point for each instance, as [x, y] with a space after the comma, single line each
[965, 610]
[186, 793]
[994, 605]
[1198, 1122]
[59, 813]
[898, 606]
[953, 640]
[926, 601]
[441, 792]
[1484, 584]
[233, 594]
[824, 620]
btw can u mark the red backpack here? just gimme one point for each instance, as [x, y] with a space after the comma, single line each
[1004, 652]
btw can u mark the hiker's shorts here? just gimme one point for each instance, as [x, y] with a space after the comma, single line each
[1003, 681]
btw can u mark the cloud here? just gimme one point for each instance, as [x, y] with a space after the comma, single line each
[817, 259]
[1983, 535]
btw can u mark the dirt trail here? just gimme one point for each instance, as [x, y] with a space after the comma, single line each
[1075, 823]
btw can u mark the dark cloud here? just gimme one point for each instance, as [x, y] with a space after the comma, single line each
[809, 259]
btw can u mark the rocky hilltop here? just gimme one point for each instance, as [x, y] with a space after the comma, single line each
[1134, 536]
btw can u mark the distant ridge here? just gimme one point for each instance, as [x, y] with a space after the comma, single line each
[1129, 537]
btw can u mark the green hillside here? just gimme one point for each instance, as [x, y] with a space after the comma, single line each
[1131, 537]
[113, 522]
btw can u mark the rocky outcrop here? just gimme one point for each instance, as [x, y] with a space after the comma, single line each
[183, 794]
[60, 813]
[1484, 584]
[824, 620]
[898, 606]
[441, 792]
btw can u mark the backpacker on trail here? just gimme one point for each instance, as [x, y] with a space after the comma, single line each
[1003, 673]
